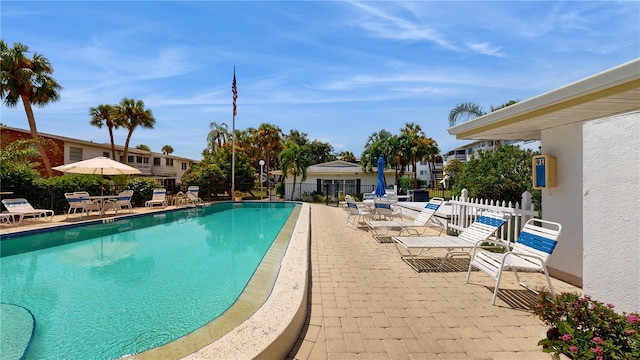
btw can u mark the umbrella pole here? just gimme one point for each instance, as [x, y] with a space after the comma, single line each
[101, 182]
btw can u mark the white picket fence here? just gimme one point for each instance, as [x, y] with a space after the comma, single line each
[465, 210]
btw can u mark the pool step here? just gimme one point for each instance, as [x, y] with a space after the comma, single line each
[17, 326]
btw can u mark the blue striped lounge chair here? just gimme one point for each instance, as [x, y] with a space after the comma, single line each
[411, 248]
[159, 197]
[534, 246]
[191, 196]
[383, 228]
[22, 207]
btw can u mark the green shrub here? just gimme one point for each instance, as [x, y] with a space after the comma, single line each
[57, 186]
[142, 189]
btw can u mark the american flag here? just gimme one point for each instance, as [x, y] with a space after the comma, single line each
[234, 90]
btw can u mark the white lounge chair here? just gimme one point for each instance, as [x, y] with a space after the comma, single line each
[382, 228]
[412, 247]
[159, 197]
[22, 207]
[191, 196]
[10, 218]
[355, 214]
[530, 254]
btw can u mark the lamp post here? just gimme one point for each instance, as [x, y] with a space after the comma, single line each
[261, 162]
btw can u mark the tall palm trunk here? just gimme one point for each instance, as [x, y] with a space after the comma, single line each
[126, 145]
[35, 136]
[113, 146]
[294, 186]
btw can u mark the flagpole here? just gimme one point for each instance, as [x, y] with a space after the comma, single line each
[234, 90]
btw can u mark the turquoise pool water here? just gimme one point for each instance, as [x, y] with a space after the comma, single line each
[107, 290]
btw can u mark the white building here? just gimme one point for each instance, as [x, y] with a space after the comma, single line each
[592, 128]
[337, 177]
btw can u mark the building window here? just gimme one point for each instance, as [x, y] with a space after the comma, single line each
[169, 162]
[145, 160]
[106, 154]
[75, 154]
[139, 159]
[130, 159]
[184, 166]
[156, 161]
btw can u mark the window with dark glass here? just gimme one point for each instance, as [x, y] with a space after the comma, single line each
[75, 154]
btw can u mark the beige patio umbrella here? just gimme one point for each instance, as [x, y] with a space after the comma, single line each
[98, 166]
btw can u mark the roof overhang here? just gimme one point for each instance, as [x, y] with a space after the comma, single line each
[615, 91]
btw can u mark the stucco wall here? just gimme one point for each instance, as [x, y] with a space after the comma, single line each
[564, 202]
[611, 191]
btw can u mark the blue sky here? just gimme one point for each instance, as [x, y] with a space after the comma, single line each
[337, 70]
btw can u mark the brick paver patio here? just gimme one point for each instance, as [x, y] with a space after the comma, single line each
[367, 303]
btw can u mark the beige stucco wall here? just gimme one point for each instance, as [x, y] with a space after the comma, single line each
[88, 152]
[611, 197]
[564, 202]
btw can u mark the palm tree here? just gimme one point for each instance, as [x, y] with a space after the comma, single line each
[294, 159]
[470, 110]
[268, 137]
[167, 150]
[465, 111]
[218, 134]
[431, 155]
[376, 146]
[104, 114]
[348, 157]
[130, 114]
[28, 80]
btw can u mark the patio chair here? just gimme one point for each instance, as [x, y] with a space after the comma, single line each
[122, 201]
[368, 196]
[477, 234]
[159, 197]
[382, 228]
[535, 244]
[80, 201]
[385, 209]
[23, 207]
[191, 196]
[355, 214]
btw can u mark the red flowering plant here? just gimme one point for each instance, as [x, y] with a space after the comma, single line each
[582, 328]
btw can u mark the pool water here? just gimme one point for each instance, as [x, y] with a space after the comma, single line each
[125, 287]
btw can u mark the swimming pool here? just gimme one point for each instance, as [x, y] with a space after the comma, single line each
[158, 278]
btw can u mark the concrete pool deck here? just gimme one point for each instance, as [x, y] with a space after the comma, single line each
[367, 303]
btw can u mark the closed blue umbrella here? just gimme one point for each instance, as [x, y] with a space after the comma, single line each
[380, 186]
